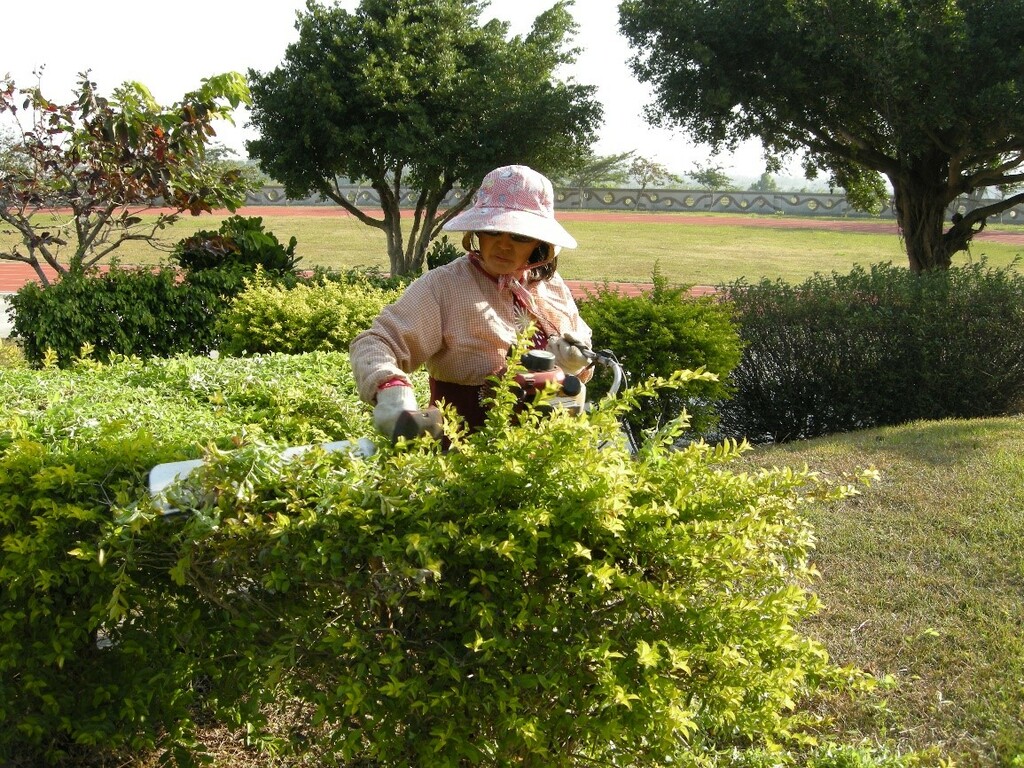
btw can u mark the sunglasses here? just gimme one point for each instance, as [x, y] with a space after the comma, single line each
[515, 237]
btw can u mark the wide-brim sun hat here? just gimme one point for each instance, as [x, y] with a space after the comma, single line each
[516, 199]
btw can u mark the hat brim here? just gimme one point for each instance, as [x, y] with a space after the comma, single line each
[517, 222]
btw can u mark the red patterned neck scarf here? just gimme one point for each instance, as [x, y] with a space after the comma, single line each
[521, 297]
[512, 282]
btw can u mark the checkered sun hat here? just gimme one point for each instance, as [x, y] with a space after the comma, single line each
[516, 199]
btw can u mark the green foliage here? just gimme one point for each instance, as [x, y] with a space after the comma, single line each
[528, 597]
[96, 652]
[875, 347]
[593, 170]
[11, 355]
[647, 173]
[324, 316]
[661, 332]
[442, 251]
[766, 183]
[413, 82]
[240, 241]
[151, 313]
[139, 312]
[76, 178]
[710, 177]
[706, 64]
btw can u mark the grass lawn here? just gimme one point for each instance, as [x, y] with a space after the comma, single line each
[922, 581]
[686, 249]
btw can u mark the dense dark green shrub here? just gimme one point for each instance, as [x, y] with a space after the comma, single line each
[661, 332]
[442, 251]
[877, 346]
[312, 316]
[239, 241]
[141, 312]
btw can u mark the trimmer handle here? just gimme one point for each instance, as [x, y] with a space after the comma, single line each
[413, 424]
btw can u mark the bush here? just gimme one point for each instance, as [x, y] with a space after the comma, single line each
[665, 331]
[95, 646]
[309, 317]
[876, 347]
[442, 252]
[11, 355]
[527, 598]
[241, 242]
[134, 312]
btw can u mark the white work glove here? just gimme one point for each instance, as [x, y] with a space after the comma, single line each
[392, 402]
[568, 356]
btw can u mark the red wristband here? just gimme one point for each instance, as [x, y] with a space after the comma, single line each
[393, 382]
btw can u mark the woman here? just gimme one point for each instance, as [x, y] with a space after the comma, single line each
[460, 320]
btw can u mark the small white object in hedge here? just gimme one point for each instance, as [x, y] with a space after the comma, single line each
[163, 476]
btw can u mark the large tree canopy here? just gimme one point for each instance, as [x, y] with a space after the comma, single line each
[927, 93]
[416, 94]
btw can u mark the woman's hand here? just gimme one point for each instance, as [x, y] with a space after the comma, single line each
[397, 414]
[569, 353]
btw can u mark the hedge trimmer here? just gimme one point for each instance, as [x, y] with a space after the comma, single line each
[540, 374]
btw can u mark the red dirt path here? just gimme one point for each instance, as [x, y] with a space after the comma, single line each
[13, 276]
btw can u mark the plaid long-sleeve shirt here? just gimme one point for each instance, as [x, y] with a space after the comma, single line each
[456, 321]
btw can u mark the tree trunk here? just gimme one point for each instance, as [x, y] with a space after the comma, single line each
[921, 198]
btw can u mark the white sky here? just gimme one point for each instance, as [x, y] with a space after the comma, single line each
[170, 47]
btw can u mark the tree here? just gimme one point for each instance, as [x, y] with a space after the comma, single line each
[710, 177]
[596, 171]
[647, 173]
[766, 183]
[75, 177]
[415, 94]
[924, 94]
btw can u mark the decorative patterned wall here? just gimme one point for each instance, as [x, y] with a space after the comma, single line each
[664, 200]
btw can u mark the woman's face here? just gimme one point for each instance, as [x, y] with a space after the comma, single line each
[503, 253]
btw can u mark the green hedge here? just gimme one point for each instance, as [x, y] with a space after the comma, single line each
[311, 317]
[874, 347]
[525, 598]
[94, 646]
[664, 331]
[150, 312]
[146, 313]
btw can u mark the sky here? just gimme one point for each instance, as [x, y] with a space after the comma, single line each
[170, 47]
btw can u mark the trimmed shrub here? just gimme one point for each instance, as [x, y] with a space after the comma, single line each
[528, 597]
[96, 636]
[134, 312]
[875, 347]
[11, 355]
[309, 317]
[665, 331]
[240, 241]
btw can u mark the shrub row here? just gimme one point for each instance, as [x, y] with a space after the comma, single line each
[526, 598]
[92, 657]
[148, 313]
[228, 301]
[877, 346]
